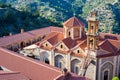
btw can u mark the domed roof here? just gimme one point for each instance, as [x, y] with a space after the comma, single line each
[73, 22]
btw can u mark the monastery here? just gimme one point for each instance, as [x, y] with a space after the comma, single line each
[86, 53]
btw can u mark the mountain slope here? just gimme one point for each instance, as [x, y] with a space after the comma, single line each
[57, 11]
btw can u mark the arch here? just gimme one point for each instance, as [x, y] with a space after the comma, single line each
[9, 47]
[59, 61]
[16, 47]
[75, 66]
[33, 41]
[28, 43]
[22, 44]
[39, 39]
[47, 61]
[106, 75]
[44, 56]
[107, 66]
[106, 62]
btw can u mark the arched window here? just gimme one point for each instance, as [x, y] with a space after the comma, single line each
[59, 61]
[91, 29]
[75, 66]
[76, 70]
[69, 34]
[47, 60]
[61, 46]
[78, 51]
[106, 75]
[60, 65]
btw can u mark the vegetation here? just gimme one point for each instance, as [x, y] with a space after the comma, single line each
[115, 78]
[33, 14]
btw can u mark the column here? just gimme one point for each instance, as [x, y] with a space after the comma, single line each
[52, 58]
[68, 62]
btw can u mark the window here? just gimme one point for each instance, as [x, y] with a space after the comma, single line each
[106, 75]
[76, 69]
[91, 41]
[91, 27]
[69, 33]
[47, 60]
[46, 44]
[78, 51]
[61, 46]
[60, 65]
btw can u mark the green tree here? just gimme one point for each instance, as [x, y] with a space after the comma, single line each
[115, 78]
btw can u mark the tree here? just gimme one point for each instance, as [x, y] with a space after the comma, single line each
[115, 78]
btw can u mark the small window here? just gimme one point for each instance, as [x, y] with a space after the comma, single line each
[91, 27]
[46, 44]
[61, 46]
[91, 41]
[78, 51]
[69, 33]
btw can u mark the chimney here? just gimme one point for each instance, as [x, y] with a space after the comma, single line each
[22, 30]
[10, 34]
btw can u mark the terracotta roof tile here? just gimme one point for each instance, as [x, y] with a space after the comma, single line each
[69, 42]
[35, 70]
[27, 35]
[74, 22]
[57, 38]
[5, 75]
[109, 36]
[106, 45]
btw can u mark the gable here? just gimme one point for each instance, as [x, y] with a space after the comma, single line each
[78, 50]
[46, 44]
[62, 46]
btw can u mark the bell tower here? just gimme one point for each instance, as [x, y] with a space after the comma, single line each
[92, 34]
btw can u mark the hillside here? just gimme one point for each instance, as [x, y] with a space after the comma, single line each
[53, 12]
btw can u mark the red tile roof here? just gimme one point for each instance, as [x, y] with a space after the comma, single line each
[73, 22]
[112, 46]
[57, 38]
[69, 42]
[5, 75]
[35, 70]
[28, 35]
[104, 36]
[106, 45]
